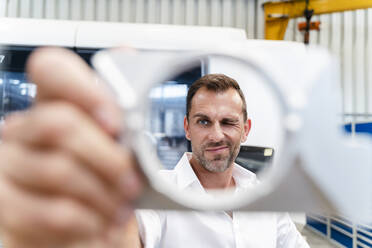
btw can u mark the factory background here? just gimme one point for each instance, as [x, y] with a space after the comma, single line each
[348, 35]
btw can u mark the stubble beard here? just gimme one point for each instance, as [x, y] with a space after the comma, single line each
[219, 163]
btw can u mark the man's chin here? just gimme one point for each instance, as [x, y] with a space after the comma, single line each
[217, 166]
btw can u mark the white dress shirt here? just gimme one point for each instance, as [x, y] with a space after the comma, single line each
[176, 229]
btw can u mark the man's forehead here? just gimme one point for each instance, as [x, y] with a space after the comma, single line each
[206, 97]
[209, 93]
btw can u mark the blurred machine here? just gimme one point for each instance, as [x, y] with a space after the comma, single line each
[255, 158]
[16, 92]
[338, 229]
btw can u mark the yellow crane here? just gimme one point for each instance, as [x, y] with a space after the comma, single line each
[278, 14]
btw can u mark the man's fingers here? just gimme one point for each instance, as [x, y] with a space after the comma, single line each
[62, 217]
[61, 74]
[53, 172]
[60, 125]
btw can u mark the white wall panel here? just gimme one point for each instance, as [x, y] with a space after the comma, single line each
[368, 57]
[190, 15]
[113, 10]
[101, 10]
[152, 11]
[165, 16]
[289, 34]
[51, 7]
[324, 34]
[3, 8]
[203, 13]
[25, 8]
[76, 9]
[240, 14]
[315, 36]
[259, 19]
[89, 10]
[127, 12]
[347, 36]
[227, 14]
[63, 10]
[347, 62]
[37, 8]
[335, 34]
[359, 62]
[13, 8]
[251, 23]
[178, 12]
[215, 13]
[140, 11]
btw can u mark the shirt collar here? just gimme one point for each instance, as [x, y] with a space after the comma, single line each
[243, 177]
[186, 177]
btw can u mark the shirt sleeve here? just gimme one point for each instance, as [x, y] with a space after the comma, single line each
[287, 234]
[149, 227]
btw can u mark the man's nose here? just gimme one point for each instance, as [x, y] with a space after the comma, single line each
[216, 133]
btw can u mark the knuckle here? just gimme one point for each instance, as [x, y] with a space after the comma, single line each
[10, 155]
[65, 216]
[13, 216]
[56, 171]
[56, 120]
[14, 124]
[68, 216]
[122, 160]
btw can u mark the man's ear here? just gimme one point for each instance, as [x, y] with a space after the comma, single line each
[186, 127]
[247, 129]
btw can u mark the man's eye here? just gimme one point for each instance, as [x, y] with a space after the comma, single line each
[229, 123]
[203, 122]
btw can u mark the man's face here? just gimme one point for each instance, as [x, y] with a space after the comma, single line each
[216, 127]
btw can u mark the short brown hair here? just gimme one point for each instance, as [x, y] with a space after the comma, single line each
[217, 83]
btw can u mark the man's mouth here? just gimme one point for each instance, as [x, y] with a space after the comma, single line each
[216, 149]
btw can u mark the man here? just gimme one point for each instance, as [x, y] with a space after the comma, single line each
[65, 182]
[216, 123]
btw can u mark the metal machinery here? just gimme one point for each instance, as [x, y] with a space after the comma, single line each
[278, 14]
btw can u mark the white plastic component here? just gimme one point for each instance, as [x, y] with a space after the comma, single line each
[319, 169]
[36, 32]
[84, 34]
[152, 36]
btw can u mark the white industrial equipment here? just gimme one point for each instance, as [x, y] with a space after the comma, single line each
[318, 168]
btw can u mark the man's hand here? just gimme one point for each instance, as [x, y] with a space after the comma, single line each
[63, 178]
